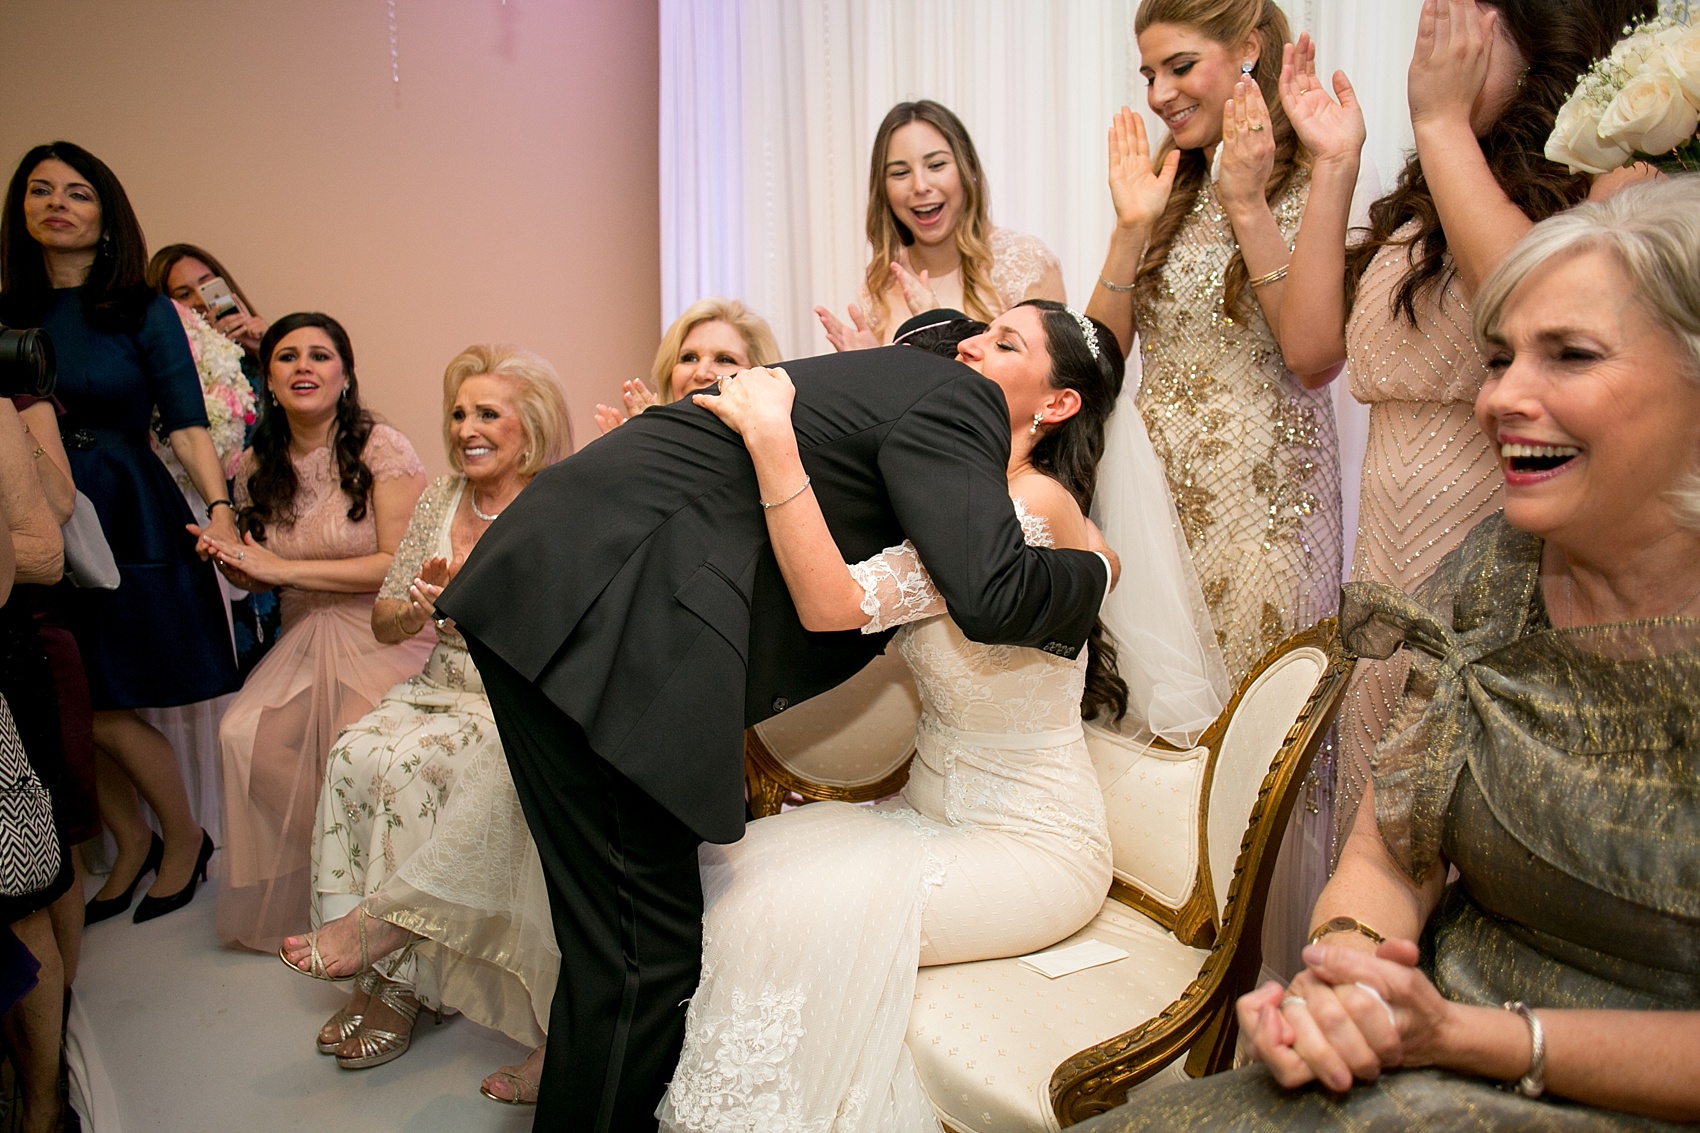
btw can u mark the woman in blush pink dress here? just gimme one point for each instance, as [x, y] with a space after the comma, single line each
[325, 495]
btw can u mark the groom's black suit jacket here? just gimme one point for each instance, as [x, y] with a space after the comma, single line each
[634, 584]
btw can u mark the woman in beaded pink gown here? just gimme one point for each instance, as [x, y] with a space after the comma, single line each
[325, 495]
[1392, 302]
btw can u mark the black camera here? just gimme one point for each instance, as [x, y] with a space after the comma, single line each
[26, 363]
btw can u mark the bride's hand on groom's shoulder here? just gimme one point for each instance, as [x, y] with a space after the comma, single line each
[754, 403]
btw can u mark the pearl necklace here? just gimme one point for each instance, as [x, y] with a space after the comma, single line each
[472, 497]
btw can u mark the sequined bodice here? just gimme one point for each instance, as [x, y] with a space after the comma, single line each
[1430, 474]
[1251, 455]
[1388, 359]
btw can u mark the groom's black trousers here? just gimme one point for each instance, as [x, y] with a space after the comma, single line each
[627, 903]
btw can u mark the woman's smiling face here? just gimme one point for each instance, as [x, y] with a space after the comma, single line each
[923, 183]
[1189, 79]
[1589, 404]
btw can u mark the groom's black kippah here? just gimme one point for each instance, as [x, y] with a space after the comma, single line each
[938, 331]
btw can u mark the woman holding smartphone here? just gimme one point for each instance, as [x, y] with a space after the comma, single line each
[196, 279]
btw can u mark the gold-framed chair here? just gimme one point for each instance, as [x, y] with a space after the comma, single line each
[852, 743]
[1194, 836]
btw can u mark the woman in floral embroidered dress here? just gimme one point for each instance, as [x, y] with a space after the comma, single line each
[386, 800]
[325, 495]
[1194, 268]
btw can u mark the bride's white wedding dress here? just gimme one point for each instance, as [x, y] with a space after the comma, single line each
[817, 919]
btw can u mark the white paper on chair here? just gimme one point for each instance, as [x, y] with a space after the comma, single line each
[1074, 958]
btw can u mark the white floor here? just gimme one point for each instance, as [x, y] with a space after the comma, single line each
[170, 1032]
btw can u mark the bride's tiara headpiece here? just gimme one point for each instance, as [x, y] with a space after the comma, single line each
[1087, 331]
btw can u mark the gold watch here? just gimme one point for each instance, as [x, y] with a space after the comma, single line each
[1344, 924]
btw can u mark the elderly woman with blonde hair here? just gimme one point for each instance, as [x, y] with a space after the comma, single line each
[713, 338]
[1544, 753]
[391, 773]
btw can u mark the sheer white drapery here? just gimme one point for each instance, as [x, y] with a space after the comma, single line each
[1035, 84]
[768, 110]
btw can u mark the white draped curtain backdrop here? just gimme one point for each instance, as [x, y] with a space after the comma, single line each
[769, 107]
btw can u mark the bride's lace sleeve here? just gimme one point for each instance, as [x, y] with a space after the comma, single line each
[896, 588]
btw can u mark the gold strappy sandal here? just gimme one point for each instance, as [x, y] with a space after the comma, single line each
[524, 1089]
[373, 1046]
[316, 963]
[345, 1022]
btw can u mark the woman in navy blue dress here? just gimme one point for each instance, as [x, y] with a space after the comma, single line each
[73, 264]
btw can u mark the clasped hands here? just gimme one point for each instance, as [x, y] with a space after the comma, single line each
[246, 563]
[1347, 1017]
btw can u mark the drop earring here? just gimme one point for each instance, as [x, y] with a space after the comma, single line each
[1247, 66]
[1033, 429]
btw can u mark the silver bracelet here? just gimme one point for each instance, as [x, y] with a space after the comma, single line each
[1118, 288]
[1533, 1084]
[767, 506]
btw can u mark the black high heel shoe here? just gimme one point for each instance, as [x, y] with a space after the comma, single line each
[150, 907]
[99, 909]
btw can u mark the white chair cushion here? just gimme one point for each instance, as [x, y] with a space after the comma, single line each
[1151, 799]
[987, 1036]
[852, 735]
[1265, 715]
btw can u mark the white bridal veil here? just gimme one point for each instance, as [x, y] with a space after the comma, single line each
[1166, 643]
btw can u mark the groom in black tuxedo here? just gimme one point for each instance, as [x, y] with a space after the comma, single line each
[629, 621]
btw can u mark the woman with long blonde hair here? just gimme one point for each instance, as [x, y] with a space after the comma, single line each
[932, 238]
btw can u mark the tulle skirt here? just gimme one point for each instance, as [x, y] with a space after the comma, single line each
[325, 672]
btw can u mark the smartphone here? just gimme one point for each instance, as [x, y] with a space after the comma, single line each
[216, 294]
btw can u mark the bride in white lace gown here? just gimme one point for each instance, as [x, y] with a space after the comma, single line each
[817, 919]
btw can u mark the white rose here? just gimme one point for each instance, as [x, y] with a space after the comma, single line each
[1631, 52]
[1650, 114]
[1576, 140]
[1681, 60]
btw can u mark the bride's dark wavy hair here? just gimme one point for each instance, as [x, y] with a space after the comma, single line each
[1069, 453]
[273, 484]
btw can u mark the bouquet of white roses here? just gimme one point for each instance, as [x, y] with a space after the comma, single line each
[1640, 103]
[225, 389]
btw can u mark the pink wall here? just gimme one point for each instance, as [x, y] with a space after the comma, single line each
[505, 190]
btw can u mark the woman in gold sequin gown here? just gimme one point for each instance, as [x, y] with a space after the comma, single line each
[1543, 755]
[1392, 302]
[1250, 451]
[1194, 268]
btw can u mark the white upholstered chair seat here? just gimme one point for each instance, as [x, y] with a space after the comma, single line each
[1193, 836]
[986, 1036]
